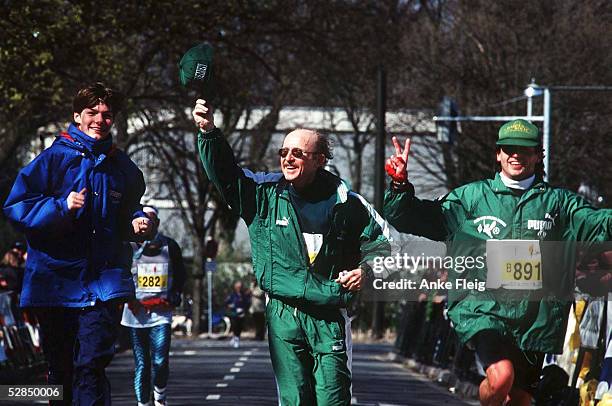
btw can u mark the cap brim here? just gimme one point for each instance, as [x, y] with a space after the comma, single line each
[519, 142]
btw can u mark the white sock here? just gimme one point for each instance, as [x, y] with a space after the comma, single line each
[159, 393]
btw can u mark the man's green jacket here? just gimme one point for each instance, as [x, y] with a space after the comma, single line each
[488, 210]
[280, 259]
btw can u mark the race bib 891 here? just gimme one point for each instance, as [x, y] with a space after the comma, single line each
[514, 264]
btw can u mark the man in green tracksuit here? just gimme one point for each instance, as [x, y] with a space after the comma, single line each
[311, 240]
[528, 230]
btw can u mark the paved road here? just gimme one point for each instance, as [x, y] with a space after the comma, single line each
[206, 372]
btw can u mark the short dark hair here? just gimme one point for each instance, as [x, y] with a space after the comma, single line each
[324, 145]
[91, 95]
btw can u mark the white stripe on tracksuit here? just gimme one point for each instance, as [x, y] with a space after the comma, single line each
[348, 342]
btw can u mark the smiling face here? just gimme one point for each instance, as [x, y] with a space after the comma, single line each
[96, 121]
[518, 163]
[301, 171]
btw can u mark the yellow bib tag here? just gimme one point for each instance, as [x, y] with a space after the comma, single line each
[313, 245]
[514, 264]
[152, 277]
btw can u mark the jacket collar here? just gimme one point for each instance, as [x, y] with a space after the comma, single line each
[342, 189]
[498, 185]
[78, 139]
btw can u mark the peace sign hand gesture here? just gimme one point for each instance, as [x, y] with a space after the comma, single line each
[397, 165]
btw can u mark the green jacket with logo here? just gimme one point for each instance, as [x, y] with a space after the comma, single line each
[280, 259]
[483, 210]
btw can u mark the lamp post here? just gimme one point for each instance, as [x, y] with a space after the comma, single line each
[534, 90]
[379, 185]
[531, 91]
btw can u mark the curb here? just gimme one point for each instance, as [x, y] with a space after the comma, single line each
[441, 376]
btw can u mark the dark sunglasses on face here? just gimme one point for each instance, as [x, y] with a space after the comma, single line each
[515, 149]
[296, 152]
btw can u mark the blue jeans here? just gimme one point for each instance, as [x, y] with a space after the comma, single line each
[151, 348]
[79, 344]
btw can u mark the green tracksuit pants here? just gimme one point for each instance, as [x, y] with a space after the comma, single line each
[310, 355]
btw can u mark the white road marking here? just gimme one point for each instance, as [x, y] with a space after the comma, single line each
[229, 377]
[234, 369]
[239, 364]
[213, 397]
[221, 385]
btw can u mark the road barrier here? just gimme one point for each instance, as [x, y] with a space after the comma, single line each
[21, 355]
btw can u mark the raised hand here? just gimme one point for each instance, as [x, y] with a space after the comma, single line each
[203, 115]
[397, 164]
[142, 225]
[76, 200]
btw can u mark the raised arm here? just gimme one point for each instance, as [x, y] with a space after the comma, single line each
[237, 187]
[433, 219]
[585, 222]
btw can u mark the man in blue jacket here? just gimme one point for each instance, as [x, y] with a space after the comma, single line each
[75, 203]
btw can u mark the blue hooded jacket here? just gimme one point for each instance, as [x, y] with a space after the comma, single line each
[76, 258]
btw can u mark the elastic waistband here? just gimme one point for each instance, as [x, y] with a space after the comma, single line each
[318, 312]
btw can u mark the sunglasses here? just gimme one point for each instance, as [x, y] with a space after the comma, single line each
[296, 152]
[515, 149]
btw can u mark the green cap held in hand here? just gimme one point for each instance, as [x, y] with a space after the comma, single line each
[195, 69]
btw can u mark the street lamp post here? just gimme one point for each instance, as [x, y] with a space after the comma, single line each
[546, 133]
[534, 90]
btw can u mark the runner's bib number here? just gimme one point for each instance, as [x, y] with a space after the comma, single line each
[514, 264]
[314, 242]
[152, 277]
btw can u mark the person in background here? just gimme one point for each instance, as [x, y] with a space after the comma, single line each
[257, 309]
[20, 249]
[11, 271]
[237, 304]
[159, 274]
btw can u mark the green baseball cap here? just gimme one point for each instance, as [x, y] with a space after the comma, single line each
[195, 69]
[518, 132]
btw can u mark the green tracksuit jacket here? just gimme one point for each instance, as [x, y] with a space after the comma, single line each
[307, 327]
[485, 210]
[280, 260]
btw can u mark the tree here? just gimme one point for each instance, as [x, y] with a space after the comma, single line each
[483, 53]
[305, 52]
